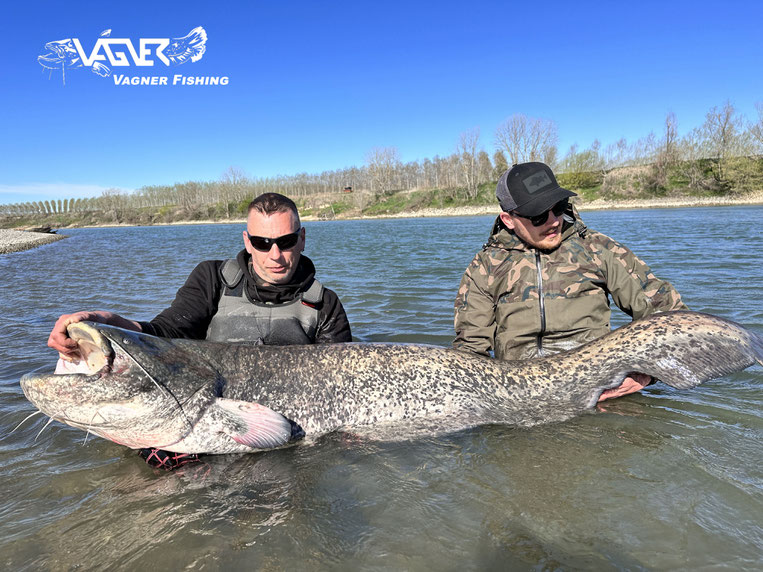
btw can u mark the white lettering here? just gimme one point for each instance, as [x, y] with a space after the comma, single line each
[177, 79]
[161, 43]
[139, 80]
[118, 57]
[94, 55]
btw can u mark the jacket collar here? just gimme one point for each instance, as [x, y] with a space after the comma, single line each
[277, 293]
[502, 237]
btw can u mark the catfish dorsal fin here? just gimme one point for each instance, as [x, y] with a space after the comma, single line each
[254, 425]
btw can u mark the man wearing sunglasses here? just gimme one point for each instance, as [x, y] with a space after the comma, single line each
[268, 294]
[542, 282]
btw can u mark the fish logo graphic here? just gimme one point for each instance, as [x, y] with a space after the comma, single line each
[536, 182]
[63, 54]
[69, 54]
[190, 47]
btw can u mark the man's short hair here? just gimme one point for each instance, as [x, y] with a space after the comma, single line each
[270, 203]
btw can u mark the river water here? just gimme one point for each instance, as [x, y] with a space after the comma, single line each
[664, 480]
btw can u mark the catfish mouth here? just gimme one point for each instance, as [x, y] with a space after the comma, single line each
[107, 392]
[61, 395]
[96, 352]
[57, 55]
[51, 58]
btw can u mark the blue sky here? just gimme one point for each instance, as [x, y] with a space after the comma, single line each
[315, 85]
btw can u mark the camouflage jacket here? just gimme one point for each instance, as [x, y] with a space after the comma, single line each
[522, 302]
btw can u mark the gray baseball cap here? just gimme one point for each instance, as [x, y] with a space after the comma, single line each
[529, 189]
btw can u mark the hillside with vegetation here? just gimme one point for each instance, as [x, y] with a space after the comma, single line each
[723, 157]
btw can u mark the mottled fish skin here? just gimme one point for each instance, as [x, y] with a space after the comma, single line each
[383, 390]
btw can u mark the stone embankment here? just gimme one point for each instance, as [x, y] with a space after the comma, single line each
[754, 198]
[17, 240]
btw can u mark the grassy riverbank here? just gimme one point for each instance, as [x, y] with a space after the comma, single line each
[14, 240]
[367, 205]
[414, 191]
[753, 198]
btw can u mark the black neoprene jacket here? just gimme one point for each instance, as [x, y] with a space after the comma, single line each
[196, 302]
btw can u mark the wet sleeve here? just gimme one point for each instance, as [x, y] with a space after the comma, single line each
[333, 325]
[634, 287]
[474, 319]
[193, 307]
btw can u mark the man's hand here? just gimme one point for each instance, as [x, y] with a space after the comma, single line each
[631, 384]
[66, 347]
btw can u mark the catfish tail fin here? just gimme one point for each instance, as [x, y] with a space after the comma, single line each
[682, 349]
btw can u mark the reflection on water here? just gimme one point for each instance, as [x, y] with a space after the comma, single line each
[665, 480]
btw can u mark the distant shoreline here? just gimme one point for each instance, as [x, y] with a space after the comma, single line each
[755, 198]
[19, 240]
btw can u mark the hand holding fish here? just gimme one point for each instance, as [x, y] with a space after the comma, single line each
[194, 396]
[631, 384]
[66, 347]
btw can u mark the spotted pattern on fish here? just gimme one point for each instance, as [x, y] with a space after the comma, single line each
[172, 400]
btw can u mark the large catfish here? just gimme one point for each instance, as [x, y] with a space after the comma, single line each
[204, 397]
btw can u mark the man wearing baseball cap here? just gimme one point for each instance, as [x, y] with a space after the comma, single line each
[542, 282]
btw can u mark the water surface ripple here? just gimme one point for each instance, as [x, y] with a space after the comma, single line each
[666, 480]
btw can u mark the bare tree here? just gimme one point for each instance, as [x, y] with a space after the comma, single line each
[667, 153]
[616, 154]
[467, 151]
[645, 149]
[188, 195]
[756, 129]
[670, 139]
[114, 202]
[232, 185]
[721, 133]
[581, 161]
[691, 149]
[527, 139]
[382, 163]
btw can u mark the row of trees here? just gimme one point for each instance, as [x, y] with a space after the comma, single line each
[50, 207]
[702, 157]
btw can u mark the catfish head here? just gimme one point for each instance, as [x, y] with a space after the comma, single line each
[61, 54]
[188, 48]
[131, 388]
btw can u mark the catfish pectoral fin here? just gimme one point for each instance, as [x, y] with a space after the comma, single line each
[254, 425]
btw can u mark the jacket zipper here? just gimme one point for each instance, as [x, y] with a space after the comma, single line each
[542, 306]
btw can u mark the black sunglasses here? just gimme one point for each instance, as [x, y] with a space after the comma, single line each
[539, 220]
[285, 242]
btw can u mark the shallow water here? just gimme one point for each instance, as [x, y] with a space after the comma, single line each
[663, 480]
